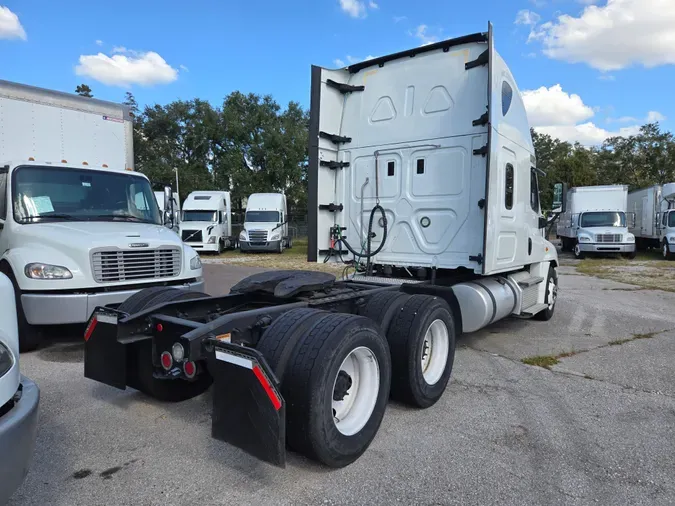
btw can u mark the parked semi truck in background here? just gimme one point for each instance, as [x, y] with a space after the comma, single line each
[265, 224]
[421, 165]
[654, 209]
[78, 227]
[595, 221]
[207, 221]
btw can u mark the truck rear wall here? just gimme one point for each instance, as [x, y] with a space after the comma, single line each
[597, 199]
[51, 126]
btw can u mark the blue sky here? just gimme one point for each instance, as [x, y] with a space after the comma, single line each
[589, 68]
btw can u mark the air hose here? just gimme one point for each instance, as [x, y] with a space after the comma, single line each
[369, 254]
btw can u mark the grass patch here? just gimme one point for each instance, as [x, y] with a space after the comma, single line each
[645, 272]
[619, 342]
[545, 361]
[649, 335]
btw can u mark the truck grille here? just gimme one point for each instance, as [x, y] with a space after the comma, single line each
[257, 236]
[605, 238]
[192, 236]
[126, 265]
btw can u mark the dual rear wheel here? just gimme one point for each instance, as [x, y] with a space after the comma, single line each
[337, 371]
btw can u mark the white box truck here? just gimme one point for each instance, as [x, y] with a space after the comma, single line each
[595, 221]
[265, 224]
[654, 209]
[206, 222]
[78, 227]
[310, 362]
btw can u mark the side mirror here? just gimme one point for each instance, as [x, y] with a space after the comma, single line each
[542, 222]
[632, 219]
[559, 197]
[168, 206]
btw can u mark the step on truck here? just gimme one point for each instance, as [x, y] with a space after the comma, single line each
[595, 221]
[654, 210]
[79, 228]
[422, 171]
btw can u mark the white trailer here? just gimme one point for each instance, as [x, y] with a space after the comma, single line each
[79, 228]
[265, 224]
[654, 209]
[206, 222]
[594, 221]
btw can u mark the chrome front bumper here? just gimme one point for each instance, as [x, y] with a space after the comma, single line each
[606, 247]
[60, 309]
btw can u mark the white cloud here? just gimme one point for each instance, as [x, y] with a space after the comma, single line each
[613, 36]
[554, 106]
[145, 69]
[530, 55]
[119, 49]
[527, 17]
[352, 59]
[588, 2]
[538, 3]
[99, 42]
[587, 134]
[565, 116]
[338, 62]
[355, 8]
[373, 5]
[422, 33]
[10, 26]
[398, 19]
[607, 77]
[184, 68]
[654, 116]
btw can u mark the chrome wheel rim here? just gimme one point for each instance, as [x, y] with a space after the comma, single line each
[435, 348]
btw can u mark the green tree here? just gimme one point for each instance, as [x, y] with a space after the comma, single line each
[84, 91]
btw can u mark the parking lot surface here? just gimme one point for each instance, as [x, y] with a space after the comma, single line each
[599, 428]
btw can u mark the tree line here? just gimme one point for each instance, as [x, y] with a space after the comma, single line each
[250, 144]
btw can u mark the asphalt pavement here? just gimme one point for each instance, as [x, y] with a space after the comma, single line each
[597, 429]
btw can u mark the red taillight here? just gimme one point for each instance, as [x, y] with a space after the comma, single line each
[190, 369]
[166, 360]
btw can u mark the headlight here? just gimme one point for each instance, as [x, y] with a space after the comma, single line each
[212, 239]
[195, 263]
[275, 237]
[584, 238]
[242, 235]
[672, 239]
[6, 360]
[47, 271]
[630, 238]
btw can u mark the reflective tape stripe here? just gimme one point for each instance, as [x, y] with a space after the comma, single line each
[234, 359]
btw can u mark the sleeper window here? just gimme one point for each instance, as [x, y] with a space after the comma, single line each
[508, 187]
[507, 97]
[390, 168]
[534, 191]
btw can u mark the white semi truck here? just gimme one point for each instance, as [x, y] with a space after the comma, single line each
[78, 227]
[420, 162]
[654, 209]
[265, 224]
[206, 222]
[595, 221]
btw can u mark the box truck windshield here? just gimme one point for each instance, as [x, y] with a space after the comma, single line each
[603, 219]
[210, 216]
[262, 217]
[46, 193]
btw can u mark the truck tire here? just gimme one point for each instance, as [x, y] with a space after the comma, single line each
[140, 370]
[30, 336]
[382, 307]
[422, 342]
[336, 389]
[280, 339]
[551, 296]
[667, 253]
[290, 242]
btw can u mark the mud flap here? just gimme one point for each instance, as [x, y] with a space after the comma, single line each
[105, 357]
[248, 409]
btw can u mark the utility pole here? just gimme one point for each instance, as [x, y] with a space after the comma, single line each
[177, 192]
